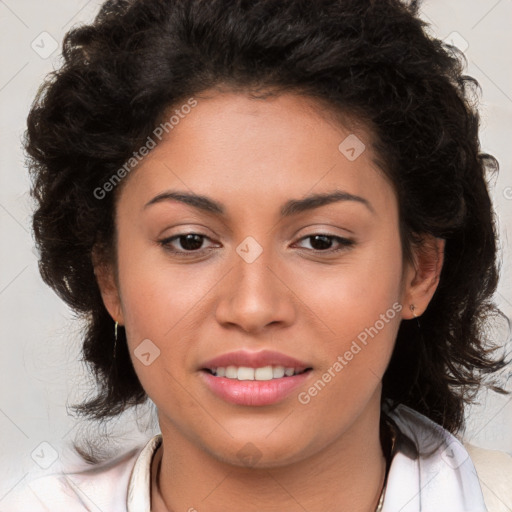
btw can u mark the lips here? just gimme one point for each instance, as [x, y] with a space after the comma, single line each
[254, 378]
[255, 360]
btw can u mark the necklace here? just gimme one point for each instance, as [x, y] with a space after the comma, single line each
[381, 499]
[391, 439]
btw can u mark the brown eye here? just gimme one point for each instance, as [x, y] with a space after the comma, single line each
[323, 242]
[184, 243]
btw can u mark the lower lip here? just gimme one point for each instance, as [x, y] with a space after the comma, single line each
[254, 392]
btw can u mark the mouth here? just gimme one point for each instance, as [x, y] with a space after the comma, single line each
[261, 373]
[247, 386]
[248, 378]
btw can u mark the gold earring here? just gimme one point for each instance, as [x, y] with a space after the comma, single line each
[412, 307]
[115, 339]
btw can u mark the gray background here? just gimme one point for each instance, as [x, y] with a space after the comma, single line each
[39, 349]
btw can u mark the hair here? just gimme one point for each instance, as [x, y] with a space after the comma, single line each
[372, 60]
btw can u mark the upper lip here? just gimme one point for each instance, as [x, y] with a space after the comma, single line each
[255, 360]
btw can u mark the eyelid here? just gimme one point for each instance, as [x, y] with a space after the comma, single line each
[345, 243]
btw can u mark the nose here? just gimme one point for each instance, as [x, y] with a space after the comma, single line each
[255, 295]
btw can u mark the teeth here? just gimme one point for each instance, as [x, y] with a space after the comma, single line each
[231, 372]
[247, 373]
[278, 372]
[264, 373]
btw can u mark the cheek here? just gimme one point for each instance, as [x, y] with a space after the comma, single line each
[156, 293]
[352, 295]
[161, 303]
[157, 318]
[359, 304]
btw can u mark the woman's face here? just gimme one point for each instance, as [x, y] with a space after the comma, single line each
[265, 284]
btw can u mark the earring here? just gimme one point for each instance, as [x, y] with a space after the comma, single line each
[412, 307]
[115, 339]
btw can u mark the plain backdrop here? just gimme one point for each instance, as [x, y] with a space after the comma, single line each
[39, 350]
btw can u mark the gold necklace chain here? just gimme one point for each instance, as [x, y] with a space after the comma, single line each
[381, 500]
[392, 433]
[380, 504]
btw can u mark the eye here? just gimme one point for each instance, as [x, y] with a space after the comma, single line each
[321, 242]
[190, 243]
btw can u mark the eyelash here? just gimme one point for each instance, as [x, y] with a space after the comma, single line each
[166, 244]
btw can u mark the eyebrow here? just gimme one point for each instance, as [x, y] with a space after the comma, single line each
[291, 207]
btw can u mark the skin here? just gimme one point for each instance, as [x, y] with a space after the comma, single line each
[253, 155]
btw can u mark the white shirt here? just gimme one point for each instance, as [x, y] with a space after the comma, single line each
[431, 471]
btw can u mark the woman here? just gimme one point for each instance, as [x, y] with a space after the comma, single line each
[274, 217]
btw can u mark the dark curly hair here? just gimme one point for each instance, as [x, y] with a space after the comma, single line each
[373, 60]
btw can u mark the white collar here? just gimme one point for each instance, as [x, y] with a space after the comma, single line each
[431, 471]
[139, 486]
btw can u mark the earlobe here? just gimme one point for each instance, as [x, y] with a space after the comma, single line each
[422, 278]
[108, 288]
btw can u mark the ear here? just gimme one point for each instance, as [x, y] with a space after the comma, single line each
[107, 283]
[421, 278]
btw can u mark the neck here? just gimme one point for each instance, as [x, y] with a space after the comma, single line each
[350, 471]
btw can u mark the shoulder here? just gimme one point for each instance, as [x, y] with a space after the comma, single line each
[102, 487]
[456, 467]
[494, 469]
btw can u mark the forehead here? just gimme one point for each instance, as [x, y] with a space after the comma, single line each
[257, 151]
